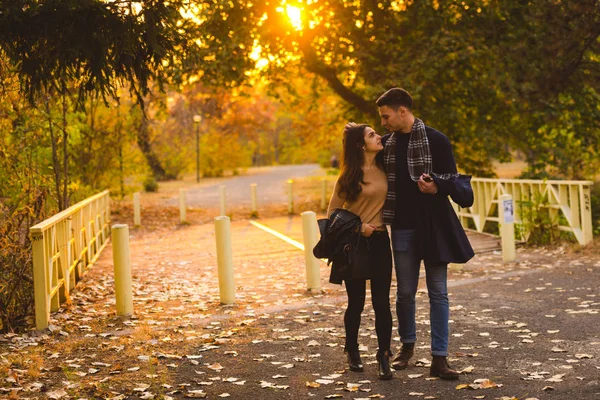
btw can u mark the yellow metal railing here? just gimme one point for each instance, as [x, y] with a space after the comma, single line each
[64, 246]
[569, 203]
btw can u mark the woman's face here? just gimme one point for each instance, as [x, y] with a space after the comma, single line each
[372, 141]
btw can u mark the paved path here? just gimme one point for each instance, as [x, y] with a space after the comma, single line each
[292, 227]
[271, 186]
[526, 329]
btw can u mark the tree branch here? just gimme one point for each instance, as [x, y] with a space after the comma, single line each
[314, 65]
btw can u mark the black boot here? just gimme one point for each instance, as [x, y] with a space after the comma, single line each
[354, 362]
[384, 371]
[406, 353]
[441, 369]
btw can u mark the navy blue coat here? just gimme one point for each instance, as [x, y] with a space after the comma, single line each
[440, 238]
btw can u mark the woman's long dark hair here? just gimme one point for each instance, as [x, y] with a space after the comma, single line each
[353, 159]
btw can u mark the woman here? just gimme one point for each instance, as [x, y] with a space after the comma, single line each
[361, 188]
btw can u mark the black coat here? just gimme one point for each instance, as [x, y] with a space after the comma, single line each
[440, 238]
[343, 246]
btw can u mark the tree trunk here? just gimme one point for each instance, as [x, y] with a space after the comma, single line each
[65, 193]
[143, 141]
[55, 162]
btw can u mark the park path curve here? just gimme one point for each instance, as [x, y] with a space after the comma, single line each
[271, 183]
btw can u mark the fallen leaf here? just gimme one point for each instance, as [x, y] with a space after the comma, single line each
[216, 367]
[467, 370]
[141, 387]
[196, 394]
[324, 381]
[486, 384]
[556, 378]
[57, 394]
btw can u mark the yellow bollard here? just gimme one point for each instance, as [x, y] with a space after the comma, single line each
[137, 218]
[182, 205]
[253, 210]
[122, 267]
[309, 232]
[224, 260]
[506, 219]
[290, 196]
[323, 194]
[223, 202]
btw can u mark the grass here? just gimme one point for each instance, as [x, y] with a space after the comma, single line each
[511, 170]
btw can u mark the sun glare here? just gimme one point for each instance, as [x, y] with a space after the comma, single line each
[295, 16]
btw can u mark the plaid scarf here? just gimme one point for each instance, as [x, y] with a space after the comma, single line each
[419, 162]
[389, 160]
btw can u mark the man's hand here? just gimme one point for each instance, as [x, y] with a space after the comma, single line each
[367, 229]
[427, 185]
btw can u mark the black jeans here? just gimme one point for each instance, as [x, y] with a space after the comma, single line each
[380, 258]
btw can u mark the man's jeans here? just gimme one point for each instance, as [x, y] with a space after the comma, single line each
[407, 266]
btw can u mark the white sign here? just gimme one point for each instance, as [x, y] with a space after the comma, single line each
[509, 215]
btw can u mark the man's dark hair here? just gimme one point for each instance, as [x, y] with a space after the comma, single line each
[395, 98]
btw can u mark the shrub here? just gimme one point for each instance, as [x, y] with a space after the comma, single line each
[595, 203]
[16, 265]
[538, 221]
[150, 184]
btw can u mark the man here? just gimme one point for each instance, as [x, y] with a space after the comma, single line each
[420, 168]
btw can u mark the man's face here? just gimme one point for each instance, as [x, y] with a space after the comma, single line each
[393, 120]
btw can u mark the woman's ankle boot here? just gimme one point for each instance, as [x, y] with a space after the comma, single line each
[384, 370]
[354, 361]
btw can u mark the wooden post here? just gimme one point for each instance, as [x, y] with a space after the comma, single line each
[507, 227]
[182, 205]
[254, 209]
[137, 219]
[586, 215]
[40, 282]
[122, 269]
[309, 233]
[290, 184]
[223, 202]
[323, 194]
[224, 260]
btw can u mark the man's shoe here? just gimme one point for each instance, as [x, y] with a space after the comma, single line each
[406, 353]
[354, 362]
[384, 371]
[441, 369]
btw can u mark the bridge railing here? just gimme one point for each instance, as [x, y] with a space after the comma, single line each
[64, 246]
[569, 204]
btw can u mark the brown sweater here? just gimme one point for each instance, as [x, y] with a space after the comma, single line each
[369, 204]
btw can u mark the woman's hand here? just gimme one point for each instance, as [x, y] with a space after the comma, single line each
[367, 229]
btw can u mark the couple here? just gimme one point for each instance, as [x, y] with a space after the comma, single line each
[402, 180]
